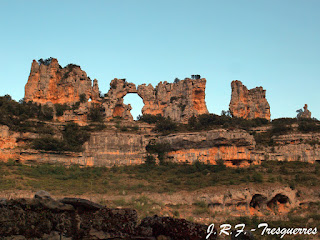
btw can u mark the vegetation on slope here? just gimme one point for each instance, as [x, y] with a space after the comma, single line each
[151, 178]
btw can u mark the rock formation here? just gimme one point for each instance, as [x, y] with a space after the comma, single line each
[50, 83]
[248, 104]
[179, 101]
[113, 100]
[233, 147]
[306, 113]
[73, 218]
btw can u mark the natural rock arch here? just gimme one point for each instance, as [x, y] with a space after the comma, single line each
[135, 103]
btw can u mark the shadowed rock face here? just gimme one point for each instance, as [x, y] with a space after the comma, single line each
[248, 104]
[49, 83]
[71, 218]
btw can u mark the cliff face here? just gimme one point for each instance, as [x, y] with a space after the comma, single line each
[8, 143]
[113, 147]
[179, 101]
[113, 100]
[49, 83]
[248, 104]
[232, 147]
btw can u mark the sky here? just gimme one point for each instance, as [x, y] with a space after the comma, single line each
[270, 43]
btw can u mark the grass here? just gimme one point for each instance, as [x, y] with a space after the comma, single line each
[126, 180]
[145, 178]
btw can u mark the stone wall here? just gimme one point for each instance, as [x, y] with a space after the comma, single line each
[72, 218]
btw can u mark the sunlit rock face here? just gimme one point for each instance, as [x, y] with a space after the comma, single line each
[50, 83]
[248, 104]
[306, 113]
[179, 101]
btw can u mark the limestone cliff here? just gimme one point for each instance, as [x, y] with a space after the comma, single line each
[248, 104]
[233, 147]
[113, 100]
[112, 147]
[179, 101]
[50, 83]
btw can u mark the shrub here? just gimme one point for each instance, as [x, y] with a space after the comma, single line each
[49, 144]
[159, 148]
[166, 126]
[308, 126]
[60, 109]
[96, 113]
[45, 62]
[46, 113]
[149, 118]
[74, 137]
[83, 98]
[257, 177]
[150, 160]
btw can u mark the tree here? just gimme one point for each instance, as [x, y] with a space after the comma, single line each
[299, 111]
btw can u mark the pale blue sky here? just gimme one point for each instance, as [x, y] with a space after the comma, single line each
[269, 43]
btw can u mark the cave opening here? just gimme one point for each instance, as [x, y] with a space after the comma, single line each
[258, 201]
[279, 199]
[136, 103]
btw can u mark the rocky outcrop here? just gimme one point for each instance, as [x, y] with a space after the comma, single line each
[115, 148]
[113, 101]
[303, 147]
[46, 218]
[179, 101]
[305, 113]
[50, 83]
[8, 143]
[248, 104]
[234, 147]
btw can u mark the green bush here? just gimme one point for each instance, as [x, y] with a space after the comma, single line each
[46, 113]
[160, 148]
[15, 114]
[207, 121]
[309, 126]
[150, 160]
[166, 126]
[49, 144]
[61, 108]
[96, 113]
[73, 138]
[149, 118]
